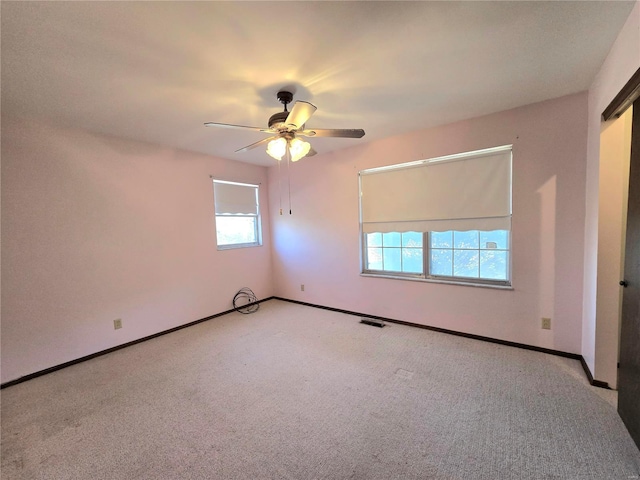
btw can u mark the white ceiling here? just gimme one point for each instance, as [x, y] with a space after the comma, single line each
[156, 71]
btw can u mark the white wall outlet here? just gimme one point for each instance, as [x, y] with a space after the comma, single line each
[117, 323]
[302, 287]
[546, 323]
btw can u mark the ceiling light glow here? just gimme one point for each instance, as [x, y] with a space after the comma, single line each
[298, 148]
[277, 148]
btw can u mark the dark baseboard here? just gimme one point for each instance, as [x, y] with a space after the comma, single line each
[585, 367]
[118, 347]
[592, 381]
[598, 383]
[574, 356]
[595, 383]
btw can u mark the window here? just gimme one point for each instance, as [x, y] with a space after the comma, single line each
[237, 215]
[451, 255]
[446, 219]
[473, 254]
[395, 252]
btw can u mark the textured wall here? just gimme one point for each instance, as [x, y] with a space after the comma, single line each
[96, 228]
[319, 244]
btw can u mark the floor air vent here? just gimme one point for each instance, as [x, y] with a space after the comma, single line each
[374, 322]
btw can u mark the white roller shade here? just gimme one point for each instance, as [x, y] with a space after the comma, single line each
[461, 192]
[235, 198]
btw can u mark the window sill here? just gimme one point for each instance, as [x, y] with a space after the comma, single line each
[432, 280]
[239, 245]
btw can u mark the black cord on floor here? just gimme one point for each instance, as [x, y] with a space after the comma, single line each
[245, 301]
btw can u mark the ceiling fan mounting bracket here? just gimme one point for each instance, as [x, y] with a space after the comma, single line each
[285, 98]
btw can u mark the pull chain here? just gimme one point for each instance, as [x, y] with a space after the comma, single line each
[280, 185]
[289, 177]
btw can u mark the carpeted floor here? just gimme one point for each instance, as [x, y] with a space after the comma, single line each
[294, 392]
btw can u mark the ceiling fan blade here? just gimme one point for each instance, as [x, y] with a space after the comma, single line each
[227, 125]
[300, 113]
[256, 144]
[327, 132]
[311, 153]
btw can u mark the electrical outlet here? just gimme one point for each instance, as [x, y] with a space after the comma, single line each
[117, 323]
[302, 287]
[546, 323]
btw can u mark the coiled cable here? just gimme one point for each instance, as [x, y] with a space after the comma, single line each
[245, 301]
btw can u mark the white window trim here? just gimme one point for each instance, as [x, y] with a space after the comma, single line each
[232, 246]
[426, 277]
[258, 217]
[426, 248]
[394, 276]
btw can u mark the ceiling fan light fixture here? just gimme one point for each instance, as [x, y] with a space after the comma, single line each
[277, 148]
[298, 148]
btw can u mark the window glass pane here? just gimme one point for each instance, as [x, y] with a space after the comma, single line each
[412, 260]
[441, 262]
[442, 239]
[465, 263]
[374, 239]
[495, 239]
[493, 265]
[391, 239]
[391, 258]
[464, 254]
[374, 258]
[231, 230]
[412, 239]
[465, 239]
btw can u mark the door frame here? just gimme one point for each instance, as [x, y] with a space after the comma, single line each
[622, 101]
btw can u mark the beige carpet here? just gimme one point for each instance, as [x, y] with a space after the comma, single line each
[294, 392]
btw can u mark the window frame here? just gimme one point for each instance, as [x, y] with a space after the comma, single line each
[425, 276]
[473, 280]
[257, 217]
[386, 273]
[426, 261]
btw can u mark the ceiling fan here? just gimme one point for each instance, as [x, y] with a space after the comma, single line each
[285, 128]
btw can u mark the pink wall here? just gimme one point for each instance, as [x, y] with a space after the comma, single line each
[318, 245]
[96, 228]
[599, 342]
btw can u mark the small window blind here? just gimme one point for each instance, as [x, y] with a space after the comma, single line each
[235, 198]
[470, 191]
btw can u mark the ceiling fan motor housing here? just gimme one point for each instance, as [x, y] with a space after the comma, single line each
[277, 120]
